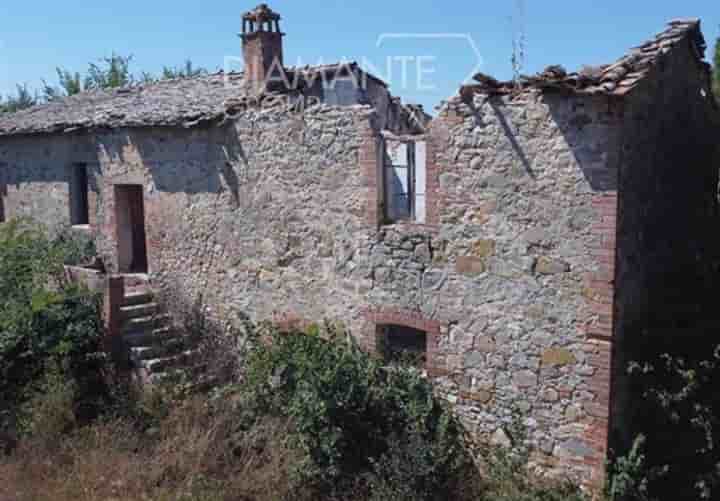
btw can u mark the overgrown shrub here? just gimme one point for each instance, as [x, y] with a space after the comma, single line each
[361, 427]
[313, 418]
[77, 247]
[45, 322]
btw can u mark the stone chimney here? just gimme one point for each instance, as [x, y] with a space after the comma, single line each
[262, 47]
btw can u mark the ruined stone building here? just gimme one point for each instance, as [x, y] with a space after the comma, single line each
[519, 239]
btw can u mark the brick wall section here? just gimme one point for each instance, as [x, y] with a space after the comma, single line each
[368, 157]
[113, 298]
[600, 289]
[432, 187]
[598, 411]
[379, 316]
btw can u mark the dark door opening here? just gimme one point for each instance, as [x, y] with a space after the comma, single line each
[404, 345]
[130, 225]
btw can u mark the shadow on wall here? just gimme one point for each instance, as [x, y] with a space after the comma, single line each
[178, 160]
[588, 128]
[496, 105]
[592, 130]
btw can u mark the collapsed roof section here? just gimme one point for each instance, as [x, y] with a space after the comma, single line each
[616, 79]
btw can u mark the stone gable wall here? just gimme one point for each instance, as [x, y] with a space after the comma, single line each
[520, 269]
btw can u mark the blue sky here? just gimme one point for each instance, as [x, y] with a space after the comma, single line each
[37, 36]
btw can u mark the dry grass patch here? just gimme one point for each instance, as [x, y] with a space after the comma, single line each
[193, 454]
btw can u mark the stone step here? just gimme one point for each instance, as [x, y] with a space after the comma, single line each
[156, 365]
[148, 338]
[136, 281]
[144, 324]
[196, 372]
[170, 347]
[138, 297]
[138, 310]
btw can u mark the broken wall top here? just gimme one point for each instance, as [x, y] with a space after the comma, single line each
[615, 79]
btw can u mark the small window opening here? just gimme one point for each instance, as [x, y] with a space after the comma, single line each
[404, 181]
[404, 345]
[79, 208]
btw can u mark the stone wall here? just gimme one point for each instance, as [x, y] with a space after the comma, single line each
[37, 173]
[515, 271]
[667, 244]
[275, 215]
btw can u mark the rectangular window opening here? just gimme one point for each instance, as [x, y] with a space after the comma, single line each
[404, 181]
[79, 189]
[404, 345]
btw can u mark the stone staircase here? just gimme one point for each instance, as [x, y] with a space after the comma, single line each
[155, 349]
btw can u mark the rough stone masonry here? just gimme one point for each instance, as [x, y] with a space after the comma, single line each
[519, 239]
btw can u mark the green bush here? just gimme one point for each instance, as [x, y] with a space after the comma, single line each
[76, 247]
[360, 426]
[628, 475]
[44, 321]
[677, 420]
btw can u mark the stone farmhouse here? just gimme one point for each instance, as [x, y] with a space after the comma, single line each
[519, 240]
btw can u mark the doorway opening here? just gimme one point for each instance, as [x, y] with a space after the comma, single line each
[130, 229]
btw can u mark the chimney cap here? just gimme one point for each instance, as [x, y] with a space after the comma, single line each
[261, 14]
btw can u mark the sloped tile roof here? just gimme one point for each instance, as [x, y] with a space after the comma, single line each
[183, 102]
[178, 102]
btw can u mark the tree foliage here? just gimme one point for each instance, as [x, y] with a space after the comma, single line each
[23, 98]
[109, 73]
[185, 71]
[45, 321]
[106, 73]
